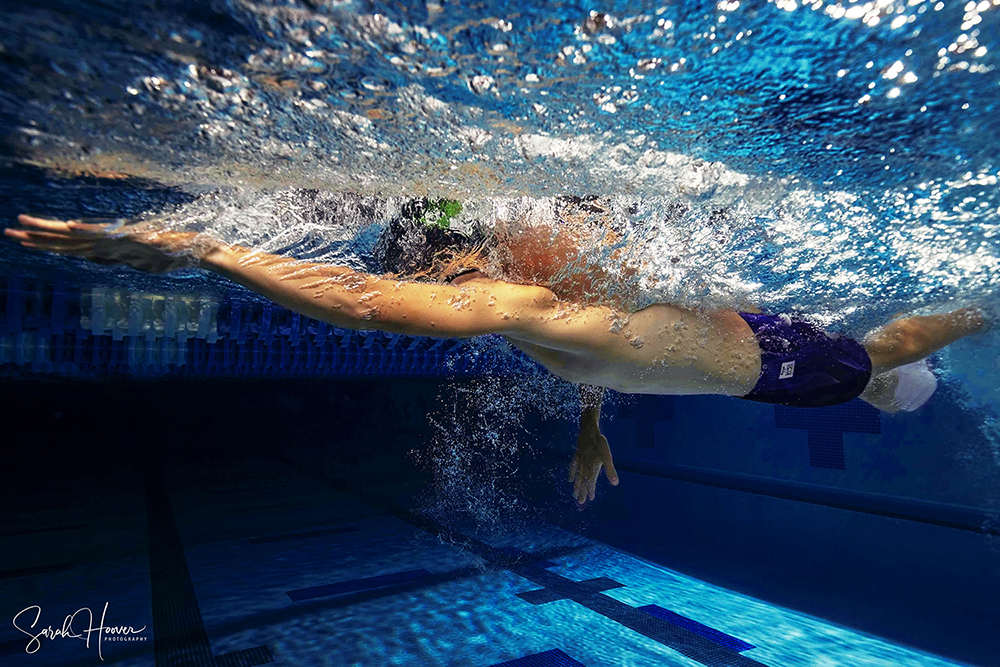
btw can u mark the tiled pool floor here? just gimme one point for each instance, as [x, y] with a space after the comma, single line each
[264, 561]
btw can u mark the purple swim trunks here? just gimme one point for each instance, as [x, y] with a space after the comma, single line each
[803, 366]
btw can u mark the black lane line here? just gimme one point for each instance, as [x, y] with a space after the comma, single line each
[705, 631]
[295, 612]
[354, 585]
[348, 599]
[179, 635]
[680, 639]
[551, 658]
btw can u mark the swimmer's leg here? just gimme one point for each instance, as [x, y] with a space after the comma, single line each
[914, 338]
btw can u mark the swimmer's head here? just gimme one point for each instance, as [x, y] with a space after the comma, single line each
[422, 243]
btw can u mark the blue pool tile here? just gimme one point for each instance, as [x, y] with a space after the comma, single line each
[553, 658]
[827, 426]
[720, 638]
[646, 410]
[354, 585]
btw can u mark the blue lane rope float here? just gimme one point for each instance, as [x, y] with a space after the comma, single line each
[57, 329]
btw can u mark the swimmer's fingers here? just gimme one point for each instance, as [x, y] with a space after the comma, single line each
[581, 484]
[604, 452]
[592, 480]
[75, 228]
[609, 470]
[85, 249]
[36, 236]
[51, 242]
[40, 224]
[577, 482]
[585, 484]
[65, 228]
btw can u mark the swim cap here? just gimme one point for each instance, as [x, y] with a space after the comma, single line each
[915, 387]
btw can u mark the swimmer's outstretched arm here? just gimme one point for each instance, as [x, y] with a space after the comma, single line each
[340, 295]
[335, 294]
[592, 450]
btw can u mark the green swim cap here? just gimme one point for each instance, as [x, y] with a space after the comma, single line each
[439, 212]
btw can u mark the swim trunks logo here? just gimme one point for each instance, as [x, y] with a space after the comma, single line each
[787, 370]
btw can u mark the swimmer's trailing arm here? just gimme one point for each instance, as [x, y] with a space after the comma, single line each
[592, 450]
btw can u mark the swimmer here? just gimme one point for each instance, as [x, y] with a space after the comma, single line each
[660, 349]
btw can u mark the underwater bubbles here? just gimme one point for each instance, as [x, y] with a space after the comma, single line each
[479, 439]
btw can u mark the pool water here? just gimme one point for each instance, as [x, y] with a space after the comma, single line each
[829, 159]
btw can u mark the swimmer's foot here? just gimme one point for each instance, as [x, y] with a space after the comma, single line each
[982, 318]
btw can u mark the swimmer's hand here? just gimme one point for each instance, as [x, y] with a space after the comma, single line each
[592, 454]
[141, 246]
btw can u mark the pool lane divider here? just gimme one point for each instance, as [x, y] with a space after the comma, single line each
[179, 635]
[555, 586]
[69, 331]
[553, 658]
